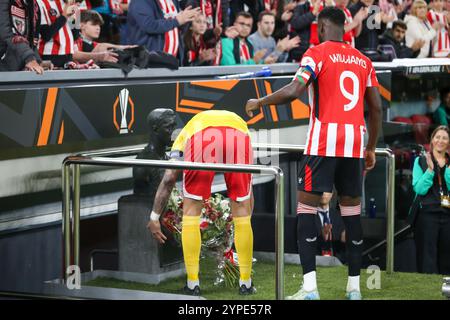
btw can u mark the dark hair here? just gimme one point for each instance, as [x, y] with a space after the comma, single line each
[93, 16]
[265, 13]
[400, 24]
[244, 14]
[334, 15]
[443, 92]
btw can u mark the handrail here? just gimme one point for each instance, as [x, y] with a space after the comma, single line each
[86, 158]
[77, 161]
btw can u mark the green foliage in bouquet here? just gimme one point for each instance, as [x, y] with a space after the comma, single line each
[217, 233]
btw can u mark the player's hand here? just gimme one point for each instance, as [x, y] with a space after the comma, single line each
[155, 228]
[252, 105]
[370, 159]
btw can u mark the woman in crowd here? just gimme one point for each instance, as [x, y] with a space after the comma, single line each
[420, 28]
[431, 182]
[199, 46]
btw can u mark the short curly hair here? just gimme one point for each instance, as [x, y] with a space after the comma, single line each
[334, 15]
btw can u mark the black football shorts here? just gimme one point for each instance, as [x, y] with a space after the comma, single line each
[319, 174]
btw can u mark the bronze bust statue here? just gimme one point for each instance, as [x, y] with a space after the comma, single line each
[161, 124]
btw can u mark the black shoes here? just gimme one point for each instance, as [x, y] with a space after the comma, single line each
[191, 292]
[244, 291]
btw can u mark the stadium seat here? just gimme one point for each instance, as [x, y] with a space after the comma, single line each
[402, 120]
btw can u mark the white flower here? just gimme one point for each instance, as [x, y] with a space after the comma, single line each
[224, 205]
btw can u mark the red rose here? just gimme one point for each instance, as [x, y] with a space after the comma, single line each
[204, 225]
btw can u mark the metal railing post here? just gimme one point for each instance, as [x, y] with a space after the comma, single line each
[279, 236]
[66, 231]
[390, 224]
[76, 214]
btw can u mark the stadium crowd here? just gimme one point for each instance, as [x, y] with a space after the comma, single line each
[78, 34]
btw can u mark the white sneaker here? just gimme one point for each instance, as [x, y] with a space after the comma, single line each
[302, 294]
[354, 295]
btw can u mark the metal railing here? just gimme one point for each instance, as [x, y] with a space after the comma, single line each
[98, 158]
[72, 255]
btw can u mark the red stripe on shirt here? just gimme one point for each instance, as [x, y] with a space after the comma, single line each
[322, 150]
[340, 140]
[308, 178]
[356, 142]
[66, 34]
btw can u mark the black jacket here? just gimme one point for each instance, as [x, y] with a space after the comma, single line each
[18, 41]
[401, 50]
[301, 23]
[18, 48]
[368, 38]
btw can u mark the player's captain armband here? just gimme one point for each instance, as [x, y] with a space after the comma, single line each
[304, 74]
[175, 155]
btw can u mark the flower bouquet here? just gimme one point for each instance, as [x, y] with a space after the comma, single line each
[217, 233]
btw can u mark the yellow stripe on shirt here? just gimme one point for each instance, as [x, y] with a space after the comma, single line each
[205, 119]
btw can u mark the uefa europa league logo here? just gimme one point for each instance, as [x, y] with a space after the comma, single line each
[124, 101]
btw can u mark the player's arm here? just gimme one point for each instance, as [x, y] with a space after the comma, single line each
[288, 93]
[373, 100]
[162, 196]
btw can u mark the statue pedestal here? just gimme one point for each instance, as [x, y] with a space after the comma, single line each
[140, 256]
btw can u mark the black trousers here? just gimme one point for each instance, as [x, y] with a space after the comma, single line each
[432, 237]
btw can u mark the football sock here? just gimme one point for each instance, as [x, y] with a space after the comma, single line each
[191, 243]
[243, 241]
[354, 240]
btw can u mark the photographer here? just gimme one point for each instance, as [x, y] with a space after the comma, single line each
[431, 182]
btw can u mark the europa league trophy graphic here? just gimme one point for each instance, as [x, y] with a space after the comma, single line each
[123, 100]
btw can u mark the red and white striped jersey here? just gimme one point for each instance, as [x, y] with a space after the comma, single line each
[172, 37]
[339, 76]
[244, 51]
[62, 43]
[349, 36]
[441, 44]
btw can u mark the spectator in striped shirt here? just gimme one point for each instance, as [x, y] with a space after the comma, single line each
[56, 42]
[437, 15]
